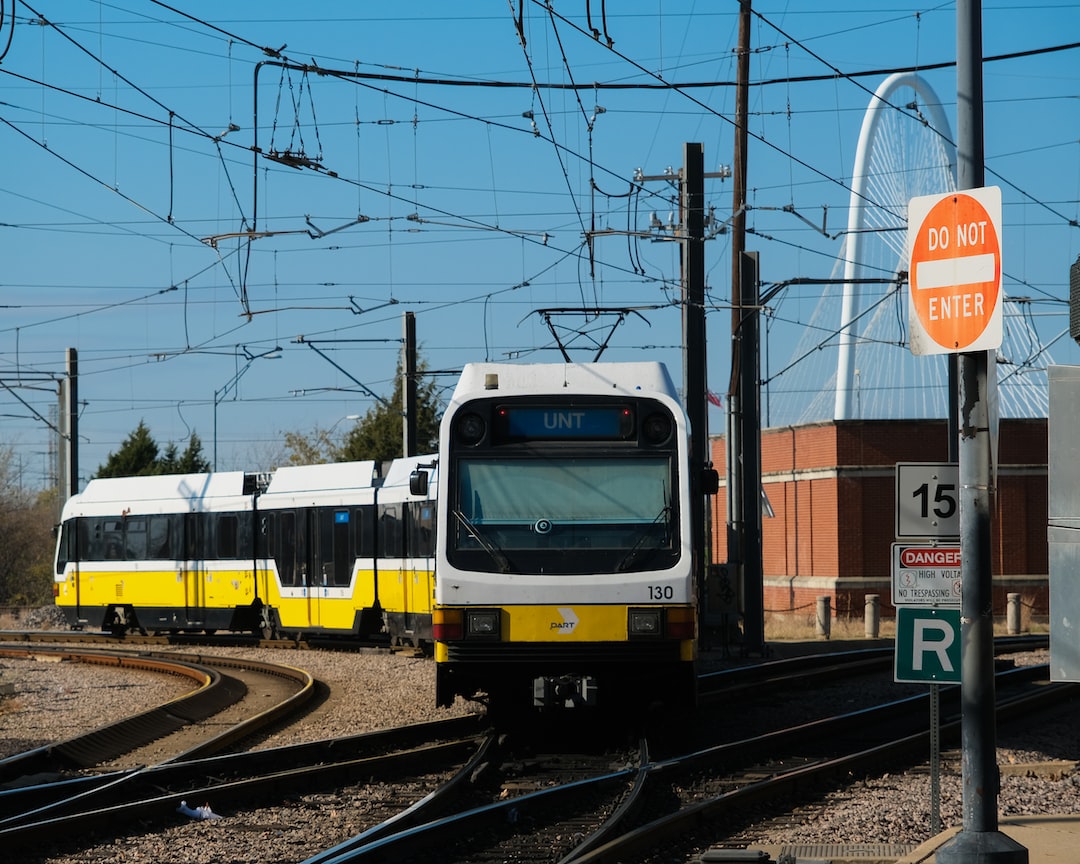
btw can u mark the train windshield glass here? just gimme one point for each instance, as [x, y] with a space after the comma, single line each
[564, 514]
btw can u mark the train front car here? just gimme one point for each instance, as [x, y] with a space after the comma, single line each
[563, 568]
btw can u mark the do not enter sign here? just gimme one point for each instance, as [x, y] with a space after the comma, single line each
[955, 271]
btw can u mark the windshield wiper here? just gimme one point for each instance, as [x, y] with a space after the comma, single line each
[494, 551]
[636, 549]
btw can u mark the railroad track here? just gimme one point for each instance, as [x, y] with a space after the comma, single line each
[664, 810]
[499, 799]
[169, 732]
[80, 807]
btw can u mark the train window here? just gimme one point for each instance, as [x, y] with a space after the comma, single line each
[135, 538]
[335, 546]
[225, 532]
[420, 529]
[161, 531]
[364, 527]
[391, 535]
[245, 547]
[66, 549]
[112, 534]
[286, 547]
[194, 534]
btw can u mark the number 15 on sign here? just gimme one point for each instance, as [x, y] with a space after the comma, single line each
[927, 499]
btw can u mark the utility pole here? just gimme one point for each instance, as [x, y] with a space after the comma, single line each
[980, 841]
[692, 207]
[691, 234]
[68, 475]
[743, 430]
[408, 384]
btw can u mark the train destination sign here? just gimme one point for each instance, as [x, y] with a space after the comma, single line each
[954, 272]
[578, 422]
[925, 575]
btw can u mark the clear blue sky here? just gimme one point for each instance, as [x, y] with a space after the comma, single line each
[426, 190]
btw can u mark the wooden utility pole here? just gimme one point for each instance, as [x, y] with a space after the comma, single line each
[743, 474]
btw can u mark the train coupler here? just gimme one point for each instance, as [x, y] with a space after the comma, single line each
[564, 691]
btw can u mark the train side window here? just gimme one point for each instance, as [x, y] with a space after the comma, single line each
[112, 539]
[194, 534]
[135, 538]
[65, 549]
[420, 529]
[391, 534]
[161, 530]
[334, 546]
[364, 517]
[286, 546]
[245, 536]
[225, 532]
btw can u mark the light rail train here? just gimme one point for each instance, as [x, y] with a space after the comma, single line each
[544, 555]
[563, 556]
[313, 550]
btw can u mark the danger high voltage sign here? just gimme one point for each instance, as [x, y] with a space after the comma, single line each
[925, 575]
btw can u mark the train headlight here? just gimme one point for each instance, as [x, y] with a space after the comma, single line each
[644, 623]
[657, 428]
[471, 428]
[482, 624]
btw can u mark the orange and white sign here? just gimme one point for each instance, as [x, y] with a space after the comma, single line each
[954, 271]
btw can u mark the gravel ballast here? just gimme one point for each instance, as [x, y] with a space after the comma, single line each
[52, 701]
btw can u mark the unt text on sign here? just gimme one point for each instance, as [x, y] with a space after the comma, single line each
[954, 273]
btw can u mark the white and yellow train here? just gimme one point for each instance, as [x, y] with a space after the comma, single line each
[321, 549]
[545, 553]
[564, 568]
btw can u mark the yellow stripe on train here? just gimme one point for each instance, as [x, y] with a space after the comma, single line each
[577, 623]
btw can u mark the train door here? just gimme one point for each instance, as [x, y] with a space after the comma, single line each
[333, 564]
[308, 559]
[418, 567]
[193, 570]
[391, 575]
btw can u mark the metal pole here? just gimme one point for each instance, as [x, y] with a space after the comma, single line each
[750, 450]
[408, 385]
[736, 531]
[692, 205]
[979, 840]
[71, 445]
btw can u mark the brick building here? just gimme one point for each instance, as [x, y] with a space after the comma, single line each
[831, 486]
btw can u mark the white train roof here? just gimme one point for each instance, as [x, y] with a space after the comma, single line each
[333, 476]
[632, 379]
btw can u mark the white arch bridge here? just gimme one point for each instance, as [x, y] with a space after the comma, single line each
[852, 360]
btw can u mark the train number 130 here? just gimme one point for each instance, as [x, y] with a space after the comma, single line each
[661, 592]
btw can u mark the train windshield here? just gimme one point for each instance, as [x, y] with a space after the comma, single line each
[564, 515]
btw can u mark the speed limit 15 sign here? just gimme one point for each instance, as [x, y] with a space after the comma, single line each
[927, 499]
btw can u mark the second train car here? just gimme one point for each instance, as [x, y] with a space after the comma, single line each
[315, 550]
[563, 559]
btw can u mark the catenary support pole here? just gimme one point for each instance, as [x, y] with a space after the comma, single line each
[979, 841]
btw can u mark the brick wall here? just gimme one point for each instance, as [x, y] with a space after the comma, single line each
[832, 489]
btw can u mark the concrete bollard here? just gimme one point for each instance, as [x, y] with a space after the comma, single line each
[1012, 614]
[872, 616]
[823, 624]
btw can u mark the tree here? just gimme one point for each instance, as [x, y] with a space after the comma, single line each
[139, 456]
[26, 539]
[378, 434]
[191, 461]
[316, 448]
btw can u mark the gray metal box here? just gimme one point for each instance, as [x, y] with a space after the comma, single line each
[1063, 531]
